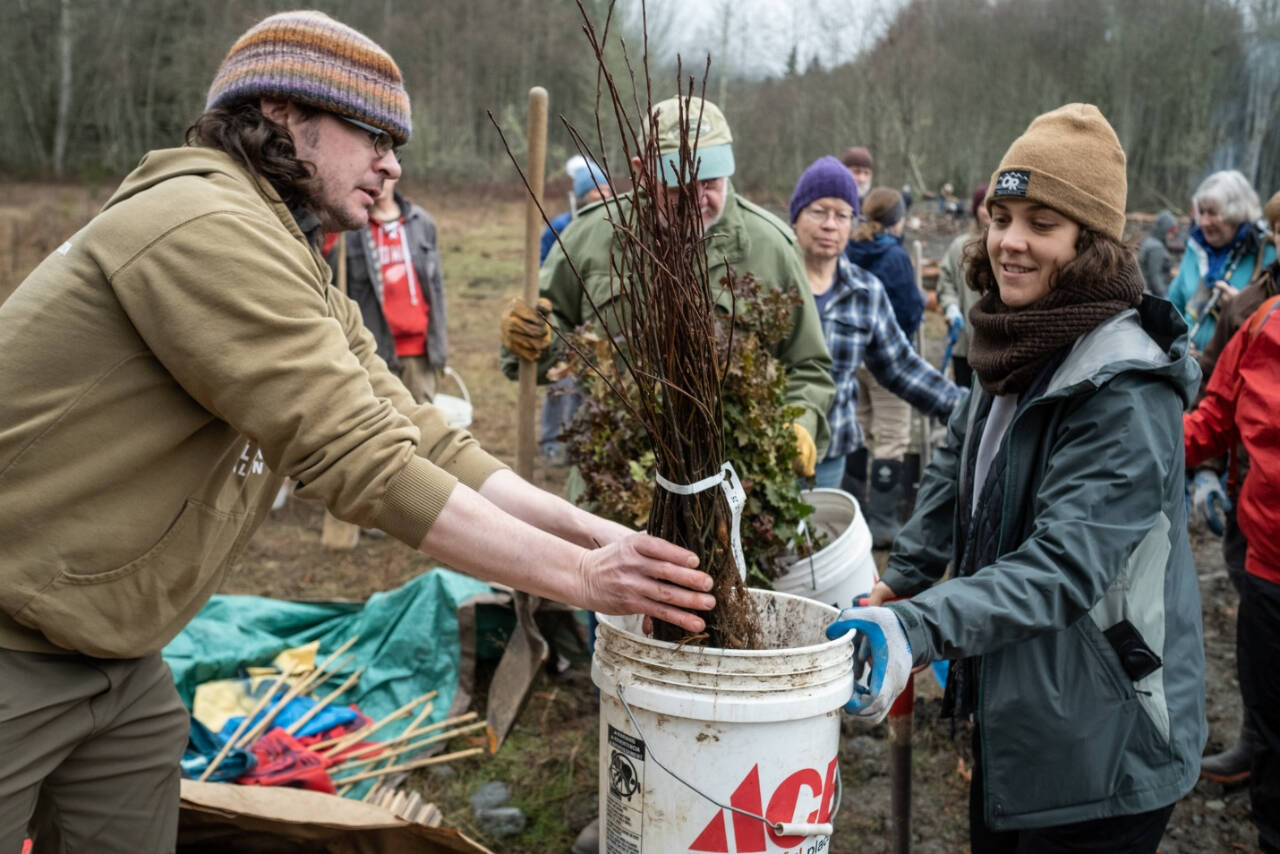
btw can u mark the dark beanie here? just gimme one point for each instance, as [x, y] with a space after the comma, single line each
[825, 178]
[979, 195]
[857, 155]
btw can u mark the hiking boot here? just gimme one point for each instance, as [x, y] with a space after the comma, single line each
[588, 841]
[884, 495]
[1231, 766]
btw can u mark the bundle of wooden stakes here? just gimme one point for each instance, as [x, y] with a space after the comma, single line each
[351, 758]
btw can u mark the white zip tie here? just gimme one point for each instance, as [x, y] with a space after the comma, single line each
[727, 480]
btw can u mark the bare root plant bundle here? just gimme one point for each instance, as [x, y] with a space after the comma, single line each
[660, 320]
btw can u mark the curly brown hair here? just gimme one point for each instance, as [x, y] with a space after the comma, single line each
[1098, 258]
[259, 144]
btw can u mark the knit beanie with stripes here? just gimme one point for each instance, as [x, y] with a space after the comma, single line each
[309, 58]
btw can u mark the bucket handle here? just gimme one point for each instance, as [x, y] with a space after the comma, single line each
[457, 378]
[781, 828]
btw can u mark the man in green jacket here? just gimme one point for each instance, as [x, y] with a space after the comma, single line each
[164, 369]
[739, 235]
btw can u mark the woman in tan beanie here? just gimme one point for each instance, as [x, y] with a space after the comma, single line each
[1072, 619]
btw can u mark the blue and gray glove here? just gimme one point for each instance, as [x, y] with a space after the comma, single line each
[881, 640]
[1209, 501]
[955, 319]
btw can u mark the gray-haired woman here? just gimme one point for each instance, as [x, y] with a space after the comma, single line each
[1223, 250]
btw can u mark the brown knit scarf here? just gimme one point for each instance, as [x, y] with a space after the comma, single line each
[1010, 346]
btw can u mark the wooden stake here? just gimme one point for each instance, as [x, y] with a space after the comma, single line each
[303, 685]
[417, 763]
[343, 742]
[258, 707]
[408, 748]
[315, 710]
[526, 401]
[411, 732]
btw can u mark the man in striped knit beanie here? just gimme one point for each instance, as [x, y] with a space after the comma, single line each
[165, 369]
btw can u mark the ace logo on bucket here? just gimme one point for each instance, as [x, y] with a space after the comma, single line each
[804, 795]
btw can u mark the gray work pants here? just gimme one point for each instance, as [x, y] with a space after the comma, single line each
[89, 752]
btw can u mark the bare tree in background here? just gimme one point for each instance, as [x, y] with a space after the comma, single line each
[936, 88]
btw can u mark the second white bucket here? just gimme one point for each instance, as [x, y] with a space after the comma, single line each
[844, 567]
[715, 750]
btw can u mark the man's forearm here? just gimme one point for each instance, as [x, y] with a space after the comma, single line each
[550, 513]
[479, 537]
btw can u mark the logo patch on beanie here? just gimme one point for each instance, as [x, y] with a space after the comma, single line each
[1012, 182]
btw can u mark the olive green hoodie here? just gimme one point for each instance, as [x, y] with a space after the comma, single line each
[163, 369]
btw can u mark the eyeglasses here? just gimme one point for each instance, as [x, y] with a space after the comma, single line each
[819, 216]
[380, 139]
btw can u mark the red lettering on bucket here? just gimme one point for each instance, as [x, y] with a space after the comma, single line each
[749, 833]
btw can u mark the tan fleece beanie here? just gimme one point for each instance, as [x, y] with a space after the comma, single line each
[1070, 160]
[1272, 211]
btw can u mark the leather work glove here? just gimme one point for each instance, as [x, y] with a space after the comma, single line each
[881, 641]
[1209, 502]
[525, 330]
[806, 451]
[955, 319]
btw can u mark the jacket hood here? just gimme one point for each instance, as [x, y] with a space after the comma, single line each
[159, 166]
[1151, 338]
[866, 252]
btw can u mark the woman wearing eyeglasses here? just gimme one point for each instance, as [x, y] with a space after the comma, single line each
[876, 246]
[857, 318]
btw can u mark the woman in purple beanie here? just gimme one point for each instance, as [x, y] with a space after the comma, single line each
[857, 319]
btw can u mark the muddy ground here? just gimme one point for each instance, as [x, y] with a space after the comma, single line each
[550, 758]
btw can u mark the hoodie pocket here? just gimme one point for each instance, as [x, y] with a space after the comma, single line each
[136, 608]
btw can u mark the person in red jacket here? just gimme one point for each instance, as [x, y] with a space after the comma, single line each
[1239, 405]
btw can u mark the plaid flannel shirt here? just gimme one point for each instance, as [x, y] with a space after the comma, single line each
[858, 324]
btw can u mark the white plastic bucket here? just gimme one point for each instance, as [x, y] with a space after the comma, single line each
[688, 731]
[844, 567]
[457, 410]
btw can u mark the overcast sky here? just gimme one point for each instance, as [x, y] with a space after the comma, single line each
[754, 37]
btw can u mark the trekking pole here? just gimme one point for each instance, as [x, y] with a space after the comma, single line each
[1208, 307]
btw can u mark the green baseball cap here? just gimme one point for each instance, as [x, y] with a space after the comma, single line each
[714, 154]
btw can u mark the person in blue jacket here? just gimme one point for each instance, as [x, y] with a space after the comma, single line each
[1071, 615]
[590, 185]
[1223, 251]
[876, 246]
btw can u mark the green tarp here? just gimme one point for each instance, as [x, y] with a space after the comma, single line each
[408, 641]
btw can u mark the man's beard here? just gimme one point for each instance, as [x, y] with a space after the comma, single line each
[332, 218]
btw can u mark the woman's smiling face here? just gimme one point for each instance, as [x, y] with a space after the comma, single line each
[1028, 243]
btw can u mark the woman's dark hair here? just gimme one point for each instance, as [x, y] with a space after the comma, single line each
[1098, 258]
[261, 145]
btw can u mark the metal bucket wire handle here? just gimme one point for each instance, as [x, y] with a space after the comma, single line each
[457, 378]
[781, 828]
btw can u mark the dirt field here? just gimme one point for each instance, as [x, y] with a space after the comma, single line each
[550, 759]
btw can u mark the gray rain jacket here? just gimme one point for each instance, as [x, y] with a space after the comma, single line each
[1092, 532]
